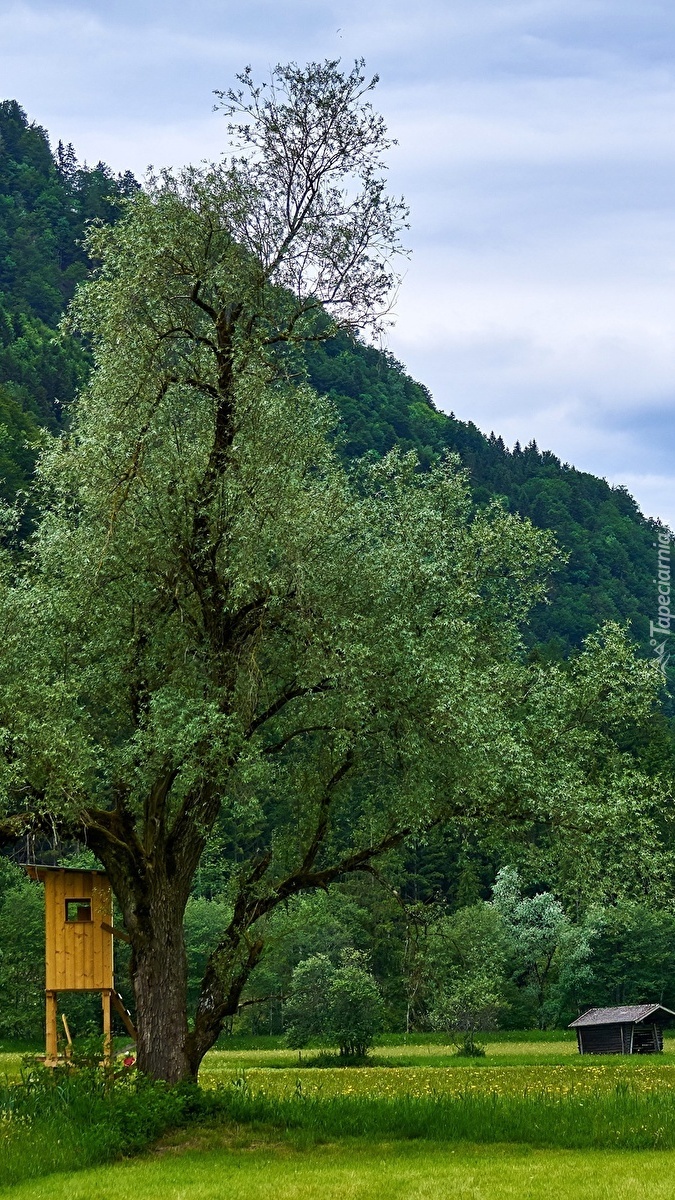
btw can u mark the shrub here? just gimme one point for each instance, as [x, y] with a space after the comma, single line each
[71, 1116]
[355, 1007]
[334, 1005]
[465, 1009]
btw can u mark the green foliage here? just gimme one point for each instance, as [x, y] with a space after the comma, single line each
[467, 1006]
[19, 438]
[203, 923]
[461, 959]
[532, 964]
[355, 1006]
[547, 956]
[334, 1005]
[22, 959]
[45, 204]
[266, 638]
[315, 924]
[632, 955]
[467, 942]
[306, 664]
[61, 1118]
[306, 1014]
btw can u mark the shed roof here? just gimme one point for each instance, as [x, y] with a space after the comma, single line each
[39, 870]
[625, 1014]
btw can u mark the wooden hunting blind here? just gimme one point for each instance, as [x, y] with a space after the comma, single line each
[627, 1029]
[78, 944]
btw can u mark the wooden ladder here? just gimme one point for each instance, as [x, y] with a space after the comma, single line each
[125, 1015]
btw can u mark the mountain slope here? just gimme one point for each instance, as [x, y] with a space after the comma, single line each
[46, 200]
[609, 574]
[45, 203]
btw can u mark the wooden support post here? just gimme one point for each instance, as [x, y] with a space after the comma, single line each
[107, 1039]
[51, 1043]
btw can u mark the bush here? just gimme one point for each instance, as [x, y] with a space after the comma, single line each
[468, 1007]
[355, 1008]
[61, 1118]
[334, 1005]
[469, 1047]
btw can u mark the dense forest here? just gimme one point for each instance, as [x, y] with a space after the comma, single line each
[47, 199]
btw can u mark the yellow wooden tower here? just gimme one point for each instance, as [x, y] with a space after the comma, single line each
[79, 945]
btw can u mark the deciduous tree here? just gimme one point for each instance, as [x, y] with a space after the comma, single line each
[218, 623]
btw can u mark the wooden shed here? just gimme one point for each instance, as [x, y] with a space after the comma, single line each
[627, 1029]
[78, 944]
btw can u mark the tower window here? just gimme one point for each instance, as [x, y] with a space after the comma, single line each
[78, 911]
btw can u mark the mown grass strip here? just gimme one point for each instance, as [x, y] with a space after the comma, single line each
[368, 1171]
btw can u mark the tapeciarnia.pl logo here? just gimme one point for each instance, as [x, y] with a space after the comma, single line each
[660, 630]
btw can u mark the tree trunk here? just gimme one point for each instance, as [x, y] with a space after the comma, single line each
[152, 890]
[159, 976]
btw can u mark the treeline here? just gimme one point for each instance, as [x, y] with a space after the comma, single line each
[610, 568]
[520, 959]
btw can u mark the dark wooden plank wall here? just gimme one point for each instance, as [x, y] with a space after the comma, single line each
[604, 1039]
[620, 1039]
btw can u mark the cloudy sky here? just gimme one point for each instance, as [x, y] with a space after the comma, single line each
[536, 149]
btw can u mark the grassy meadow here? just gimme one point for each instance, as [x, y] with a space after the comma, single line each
[216, 1165]
[531, 1119]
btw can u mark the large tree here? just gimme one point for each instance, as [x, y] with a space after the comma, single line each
[216, 623]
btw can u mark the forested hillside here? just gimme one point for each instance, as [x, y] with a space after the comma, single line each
[609, 543]
[45, 202]
[46, 199]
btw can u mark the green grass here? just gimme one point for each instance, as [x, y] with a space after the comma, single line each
[504, 1048]
[531, 1036]
[220, 1063]
[514, 1053]
[58, 1120]
[635, 1113]
[595, 1077]
[260, 1167]
[438, 1054]
[537, 1093]
[14, 1046]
